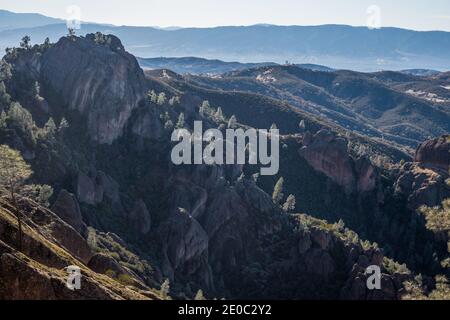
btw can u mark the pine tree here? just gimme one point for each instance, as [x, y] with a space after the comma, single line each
[25, 43]
[302, 125]
[174, 100]
[14, 171]
[5, 98]
[50, 129]
[205, 108]
[21, 117]
[165, 290]
[63, 125]
[290, 203]
[273, 127]
[71, 33]
[232, 122]
[3, 118]
[5, 70]
[180, 123]
[278, 195]
[153, 96]
[199, 296]
[46, 43]
[161, 99]
[218, 116]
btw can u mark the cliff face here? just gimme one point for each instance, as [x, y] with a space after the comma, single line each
[435, 153]
[329, 154]
[424, 180]
[200, 227]
[93, 75]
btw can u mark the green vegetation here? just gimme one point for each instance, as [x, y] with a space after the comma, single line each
[14, 173]
[277, 194]
[180, 123]
[290, 203]
[199, 296]
[164, 291]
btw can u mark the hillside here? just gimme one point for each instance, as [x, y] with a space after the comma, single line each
[402, 109]
[37, 271]
[97, 129]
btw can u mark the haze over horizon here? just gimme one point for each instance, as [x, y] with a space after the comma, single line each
[211, 13]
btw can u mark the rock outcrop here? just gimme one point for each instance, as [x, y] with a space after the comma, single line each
[38, 270]
[185, 248]
[139, 218]
[66, 205]
[424, 181]
[435, 153]
[92, 188]
[329, 154]
[422, 186]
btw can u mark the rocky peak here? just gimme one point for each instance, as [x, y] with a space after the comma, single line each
[97, 77]
[435, 153]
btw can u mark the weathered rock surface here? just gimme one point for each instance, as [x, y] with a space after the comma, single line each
[422, 186]
[424, 181]
[66, 205]
[92, 188]
[328, 154]
[139, 218]
[38, 271]
[435, 153]
[185, 248]
[97, 77]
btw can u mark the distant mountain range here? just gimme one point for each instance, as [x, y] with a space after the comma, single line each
[338, 46]
[194, 65]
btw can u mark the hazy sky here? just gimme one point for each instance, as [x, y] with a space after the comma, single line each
[411, 14]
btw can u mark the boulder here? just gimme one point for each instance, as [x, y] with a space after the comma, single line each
[67, 208]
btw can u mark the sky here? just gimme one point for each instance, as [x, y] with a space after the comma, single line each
[409, 14]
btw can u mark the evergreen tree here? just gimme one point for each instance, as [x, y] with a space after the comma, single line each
[278, 195]
[21, 117]
[153, 96]
[3, 118]
[205, 108]
[5, 70]
[290, 203]
[50, 129]
[165, 290]
[25, 43]
[199, 296]
[218, 116]
[232, 122]
[5, 98]
[71, 33]
[46, 43]
[302, 125]
[63, 125]
[14, 171]
[161, 99]
[180, 123]
[174, 100]
[273, 127]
